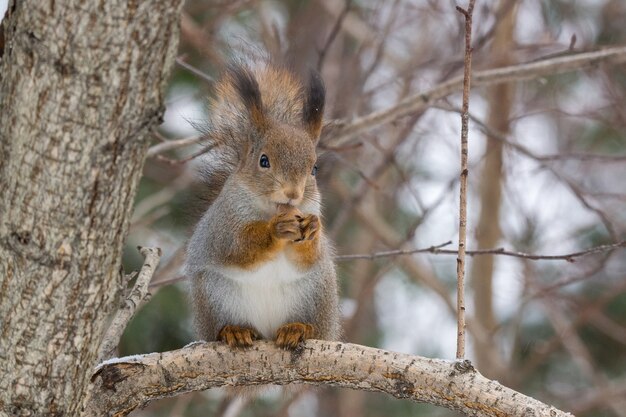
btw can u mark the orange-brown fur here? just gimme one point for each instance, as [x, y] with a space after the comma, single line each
[258, 245]
[237, 336]
[307, 251]
[289, 230]
[290, 335]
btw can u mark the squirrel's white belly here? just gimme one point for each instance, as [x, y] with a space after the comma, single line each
[268, 296]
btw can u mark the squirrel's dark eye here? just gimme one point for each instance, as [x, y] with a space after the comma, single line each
[314, 172]
[264, 161]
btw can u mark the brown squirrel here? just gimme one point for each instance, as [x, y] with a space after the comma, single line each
[259, 263]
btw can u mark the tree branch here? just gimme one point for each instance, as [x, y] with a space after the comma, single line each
[436, 250]
[195, 71]
[137, 296]
[125, 384]
[341, 132]
[460, 260]
[384, 254]
[337, 134]
[169, 145]
[333, 34]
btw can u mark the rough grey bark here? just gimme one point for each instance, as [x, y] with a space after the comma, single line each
[128, 383]
[134, 299]
[81, 84]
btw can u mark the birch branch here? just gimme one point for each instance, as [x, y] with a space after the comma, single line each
[124, 384]
[340, 133]
[137, 296]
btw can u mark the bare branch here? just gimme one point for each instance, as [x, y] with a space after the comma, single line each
[424, 99]
[333, 34]
[437, 250]
[200, 74]
[138, 295]
[460, 260]
[183, 160]
[169, 145]
[431, 249]
[578, 192]
[125, 384]
[504, 138]
[569, 257]
[581, 356]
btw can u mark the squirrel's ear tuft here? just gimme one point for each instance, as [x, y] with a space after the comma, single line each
[313, 110]
[247, 87]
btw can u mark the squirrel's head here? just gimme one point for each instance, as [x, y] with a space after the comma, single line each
[278, 161]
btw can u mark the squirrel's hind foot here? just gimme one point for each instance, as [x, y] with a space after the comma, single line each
[237, 336]
[290, 335]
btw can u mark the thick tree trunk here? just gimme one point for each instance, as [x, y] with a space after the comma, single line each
[81, 84]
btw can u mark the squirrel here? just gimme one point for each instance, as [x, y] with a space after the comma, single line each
[259, 263]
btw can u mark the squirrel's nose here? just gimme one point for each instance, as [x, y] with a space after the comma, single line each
[292, 194]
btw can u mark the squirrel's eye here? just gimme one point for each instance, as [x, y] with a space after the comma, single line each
[264, 161]
[314, 172]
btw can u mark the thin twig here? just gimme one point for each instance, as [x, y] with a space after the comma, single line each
[460, 260]
[579, 352]
[138, 295]
[171, 161]
[504, 138]
[344, 132]
[167, 281]
[200, 74]
[435, 250]
[169, 145]
[580, 194]
[431, 249]
[333, 34]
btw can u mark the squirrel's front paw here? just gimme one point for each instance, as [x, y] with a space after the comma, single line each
[309, 226]
[290, 335]
[287, 225]
[236, 336]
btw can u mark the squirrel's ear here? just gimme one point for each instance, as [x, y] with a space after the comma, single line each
[248, 89]
[313, 109]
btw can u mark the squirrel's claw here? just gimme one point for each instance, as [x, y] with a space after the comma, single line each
[286, 225]
[290, 335]
[309, 226]
[237, 337]
[287, 229]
